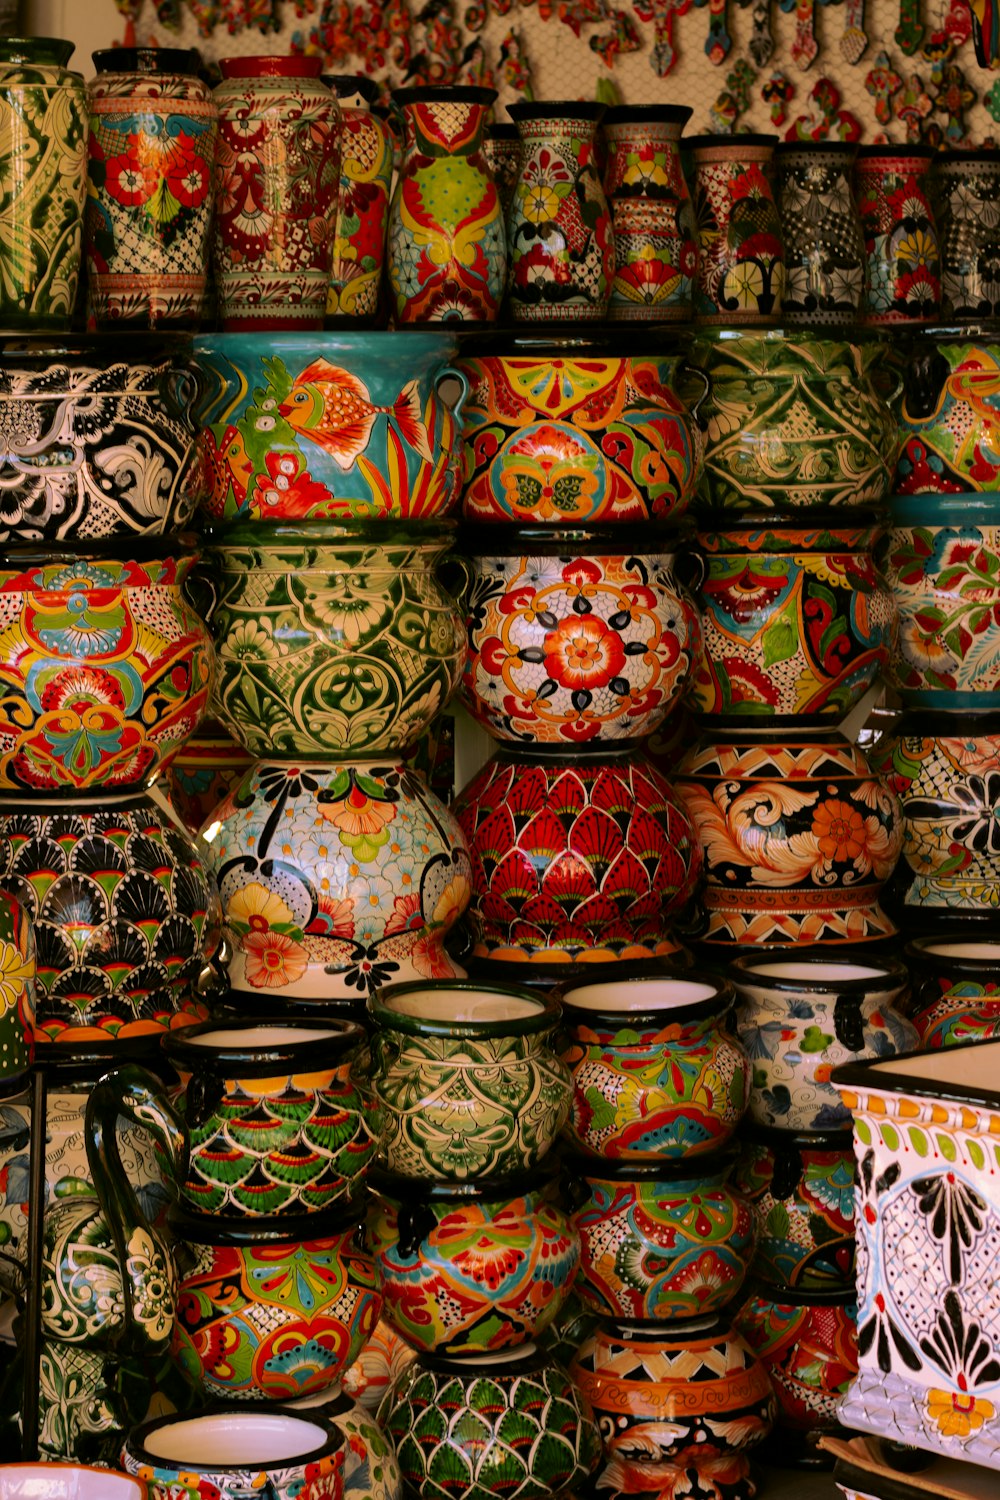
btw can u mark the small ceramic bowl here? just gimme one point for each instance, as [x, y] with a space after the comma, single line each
[66, 1482]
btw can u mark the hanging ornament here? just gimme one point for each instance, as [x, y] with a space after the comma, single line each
[912, 106]
[910, 31]
[804, 46]
[824, 119]
[854, 42]
[761, 44]
[718, 43]
[662, 57]
[579, 13]
[623, 37]
[776, 93]
[883, 83]
[474, 19]
[952, 98]
[515, 70]
[958, 21]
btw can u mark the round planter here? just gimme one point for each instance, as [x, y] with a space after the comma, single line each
[741, 254]
[801, 1191]
[808, 1344]
[956, 989]
[948, 415]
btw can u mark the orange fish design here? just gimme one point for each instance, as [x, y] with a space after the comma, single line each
[225, 465]
[331, 407]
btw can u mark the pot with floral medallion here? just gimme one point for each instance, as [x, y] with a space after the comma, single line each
[801, 1192]
[892, 185]
[656, 251]
[362, 203]
[741, 254]
[956, 988]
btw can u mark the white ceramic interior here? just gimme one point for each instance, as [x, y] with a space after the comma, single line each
[973, 1067]
[835, 973]
[65, 1482]
[262, 1439]
[462, 1005]
[244, 1037]
[640, 994]
[988, 951]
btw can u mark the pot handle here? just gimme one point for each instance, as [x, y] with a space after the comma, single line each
[451, 372]
[202, 591]
[923, 382]
[693, 385]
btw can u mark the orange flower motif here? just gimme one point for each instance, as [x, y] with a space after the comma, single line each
[273, 960]
[957, 1414]
[582, 652]
[840, 830]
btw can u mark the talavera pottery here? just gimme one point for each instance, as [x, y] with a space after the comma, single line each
[352, 296]
[231, 1452]
[795, 621]
[278, 1120]
[208, 766]
[335, 877]
[956, 988]
[741, 255]
[903, 284]
[384, 1356]
[17, 995]
[799, 835]
[466, 1080]
[794, 423]
[949, 416]
[659, 1240]
[574, 860]
[801, 1191]
[964, 190]
[67, 1482]
[370, 1468]
[657, 1072]
[925, 1133]
[96, 445]
[469, 1268]
[269, 1309]
[570, 430]
[457, 1425]
[125, 917]
[574, 638]
[799, 1017]
[821, 230]
[328, 426]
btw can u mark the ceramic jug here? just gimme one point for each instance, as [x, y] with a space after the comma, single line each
[656, 250]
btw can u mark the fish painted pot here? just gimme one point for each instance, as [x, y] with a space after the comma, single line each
[17, 995]
[573, 639]
[892, 186]
[949, 416]
[964, 188]
[956, 988]
[659, 1240]
[794, 422]
[277, 1117]
[800, 1017]
[572, 431]
[466, 1080]
[796, 622]
[107, 669]
[335, 877]
[125, 918]
[453, 1422]
[741, 253]
[574, 861]
[808, 1344]
[658, 1074]
[328, 426]
[336, 641]
[270, 1310]
[469, 1268]
[352, 295]
[370, 1468]
[799, 836]
[231, 1452]
[801, 1192]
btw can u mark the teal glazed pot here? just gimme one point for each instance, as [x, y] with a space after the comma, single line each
[328, 426]
[949, 414]
[956, 988]
[466, 1080]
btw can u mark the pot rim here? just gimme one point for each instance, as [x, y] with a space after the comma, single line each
[182, 547]
[433, 93]
[310, 344]
[777, 1139]
[124, 1484]
[665, 1169]
[884, 973]
[556, 109]
[526, 1359]
[354, 83]
[890, 1077]
[311, 1055]
[138, 61]
[879, 1485]
[250, 1229]
[554, 541]
[329, 537]
[647, 114]
[793, 1296]
[496, 1189]
[917, 949]
[719, 1001]
[817, 148]
[711, 140]
[271, 65]
[606, 342]
[914, 153]
[546, 1010]
[333, 1439]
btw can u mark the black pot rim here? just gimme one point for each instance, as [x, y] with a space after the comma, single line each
[652, 114]
[141, 60]
[889, 971]
[796, 1140]
[720, 1163]
[228, 1229]
[885, 1486]
[890, 1077]
[544, 1019]
[475, 1365]
[478, 540]
[719, 1003]
[502, 132]
[253, 1062]
[353, 83]
[135, 1440]
[817, 148]
[916, 949]
[602, 340]
[710, 139]
[793, 1296]
[556, 109]
[915, 153]
[432, 93]
[399, 1188]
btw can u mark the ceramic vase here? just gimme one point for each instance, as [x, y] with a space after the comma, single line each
[17, 995]
[446, 258]
[956, 988]
[949, 416]
[741, 254]
[43, 169]
[559, 232]
[808, 1344]
[574, 860]
[658, 1073]
[796, 621]
[801, 1192]
[353, 295]
[277, 177]
[892, 185]
[799, 836]
[384, 1356]
[151, 156]
[575, 638]
[209, 765]
[516, 1414]
[502, 149]
[370, 1468]
[964, 189]
[794, 423]
[335, 877]
[821, 229]
[656, 252]
[799, 1017]
[565, 432]
[466, 1079]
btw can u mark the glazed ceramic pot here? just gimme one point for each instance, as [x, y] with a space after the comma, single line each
[799, 837]
[741, 255]
[799, 1017]
[384, 1356]
[335, 877]
[808, 1344]
[956, 989]
[97, 446]
[574, 860]
[821, 229]
[659, 1240]
[964, 190]
[801, 1191]
[272, 1309]
[794, 423]
[796, 621]
[946, 772]
[125, 918]
[516, 1414]
[925, 1133]
[948, 417]
[560, 239]
[339, 426]
[446, 256]
[362, 202]
[232, 1452]
[469, 1268]
[892, 185]
[17, 995]
[502, 150]
[278, 1120]
[370, 1468]
[277, 176]
[332, 640]
[466, 1080]
[151, 154]
[656, 251]
[579, 638]
[208, 766]
[657, 1073]
[67, 1482]
[567, 432]
[43, 169]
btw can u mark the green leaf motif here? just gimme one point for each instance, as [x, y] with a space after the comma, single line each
[816, 1040]
[780, 641]
[777, 1222]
